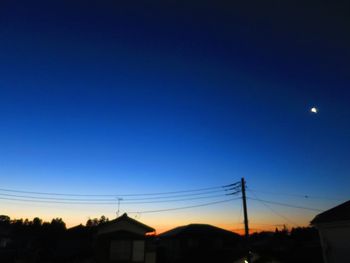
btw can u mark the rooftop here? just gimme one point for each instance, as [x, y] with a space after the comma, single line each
[125, 218]
[197, 229]
[335, 214]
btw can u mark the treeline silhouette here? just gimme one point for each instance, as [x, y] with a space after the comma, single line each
[300, 244]
[24, 240]
[37, 241]
[55, 223]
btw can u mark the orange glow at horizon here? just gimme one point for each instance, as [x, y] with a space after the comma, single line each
[228, 218]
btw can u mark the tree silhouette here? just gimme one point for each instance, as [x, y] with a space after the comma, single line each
[37, 222]
[95, 221]
[103, 220]
[58, 224]
[4, 219]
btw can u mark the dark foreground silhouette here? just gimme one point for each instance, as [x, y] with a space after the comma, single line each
[35, 241]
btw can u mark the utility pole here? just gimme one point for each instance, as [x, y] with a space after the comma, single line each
[246, 227]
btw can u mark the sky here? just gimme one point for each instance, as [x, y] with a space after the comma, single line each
[129, 97]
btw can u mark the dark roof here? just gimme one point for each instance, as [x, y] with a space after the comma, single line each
[76, 228]
[81, 230]
[125, 217]
[197, 230]
[335, 214]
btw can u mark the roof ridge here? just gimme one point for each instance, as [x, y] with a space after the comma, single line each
[126, 217]
[338, 213]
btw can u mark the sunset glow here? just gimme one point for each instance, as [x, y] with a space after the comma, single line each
[146, 104]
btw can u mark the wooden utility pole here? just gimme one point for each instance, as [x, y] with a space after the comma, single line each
[246, 227]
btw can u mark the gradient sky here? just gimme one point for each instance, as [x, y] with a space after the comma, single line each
[112, 97]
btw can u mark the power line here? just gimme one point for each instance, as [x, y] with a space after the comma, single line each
[250, 229]
[54, 198]
[57, 202]
[51, 199]
[119, 195]
[91, 202]
[110, 200]
[287, 205]
[306, 196]
[274, 211]
[181, 208]
[174, 200]
[265, 224]
[174, 196]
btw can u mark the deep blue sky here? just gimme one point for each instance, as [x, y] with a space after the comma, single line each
[129, 96]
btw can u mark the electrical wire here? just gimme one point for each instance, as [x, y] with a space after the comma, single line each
[284, 204]
[265, 224]
[184, 207]
[174, 196]
[56, 199]
[172, 200]
[119, 195]
[110, 200]
[274, 211]
[57, 202]
[90, 202]
[306, 196]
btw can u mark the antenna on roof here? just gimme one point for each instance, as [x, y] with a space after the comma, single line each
[119, 199]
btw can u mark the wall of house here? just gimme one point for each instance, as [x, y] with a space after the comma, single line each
[335, 239]
[124, 247]
[150, 257]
